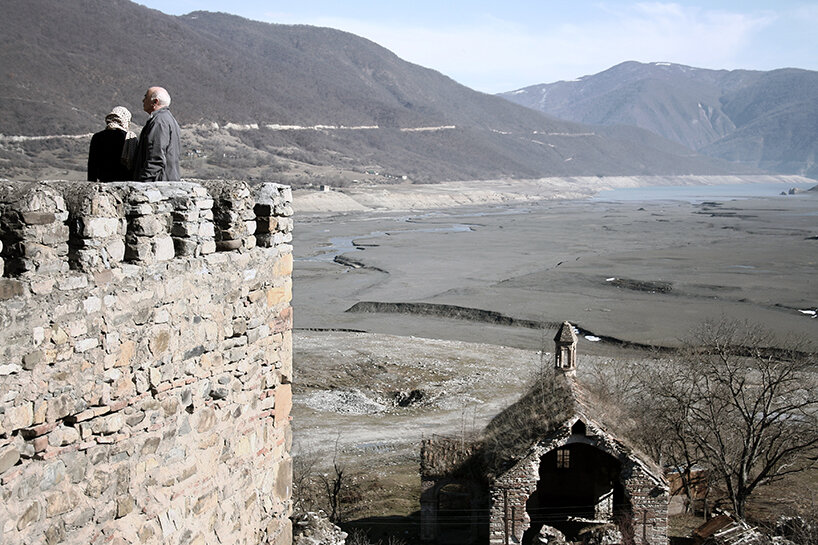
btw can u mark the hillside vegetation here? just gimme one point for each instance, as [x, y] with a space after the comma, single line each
[295, 103]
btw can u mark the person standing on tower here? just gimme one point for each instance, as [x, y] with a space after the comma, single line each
[110, 156]
[157, 154]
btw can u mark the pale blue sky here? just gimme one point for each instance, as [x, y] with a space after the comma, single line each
[496, 46]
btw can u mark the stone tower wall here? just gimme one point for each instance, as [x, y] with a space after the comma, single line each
[145, 363]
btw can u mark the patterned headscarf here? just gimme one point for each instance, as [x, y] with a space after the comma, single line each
[120, 119]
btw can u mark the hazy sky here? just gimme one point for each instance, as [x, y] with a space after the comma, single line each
[503, 45]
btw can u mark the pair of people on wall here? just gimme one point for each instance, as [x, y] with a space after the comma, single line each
[116, 154]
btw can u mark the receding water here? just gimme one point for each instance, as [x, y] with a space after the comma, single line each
[344, 245]
[698, 193]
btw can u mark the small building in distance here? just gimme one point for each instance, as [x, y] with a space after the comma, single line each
[544, 470]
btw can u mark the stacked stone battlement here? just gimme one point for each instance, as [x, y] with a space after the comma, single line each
[145, 362]
[54, 227]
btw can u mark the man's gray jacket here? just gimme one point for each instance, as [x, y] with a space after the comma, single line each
[157, 154]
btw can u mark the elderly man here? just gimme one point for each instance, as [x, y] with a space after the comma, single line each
[157, 154]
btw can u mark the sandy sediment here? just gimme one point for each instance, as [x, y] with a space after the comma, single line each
[644, 272]
[496, 192]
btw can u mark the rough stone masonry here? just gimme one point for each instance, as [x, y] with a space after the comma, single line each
[145, 363]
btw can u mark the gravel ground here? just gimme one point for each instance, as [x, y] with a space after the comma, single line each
[374, 393]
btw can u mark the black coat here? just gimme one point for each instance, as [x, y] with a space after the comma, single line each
[159, 148]
[105, 157]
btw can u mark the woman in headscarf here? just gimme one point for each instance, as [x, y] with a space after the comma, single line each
[110, 157]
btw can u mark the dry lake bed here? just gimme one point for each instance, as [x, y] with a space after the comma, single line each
[455, 303]
[643, 271]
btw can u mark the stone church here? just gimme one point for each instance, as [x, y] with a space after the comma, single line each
[545, 470]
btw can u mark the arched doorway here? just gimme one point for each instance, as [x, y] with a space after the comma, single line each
[579, 485]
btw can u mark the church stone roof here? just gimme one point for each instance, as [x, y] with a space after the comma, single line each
[566, 334]
[551, 405]
[554, 402]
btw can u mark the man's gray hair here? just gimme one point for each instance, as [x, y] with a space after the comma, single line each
[162, 96]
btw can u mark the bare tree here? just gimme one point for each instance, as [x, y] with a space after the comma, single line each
[664, 403]
[333, 485]
[747, 411]
[337, 486]
[304, 475]
[654, 413]
[315, 487]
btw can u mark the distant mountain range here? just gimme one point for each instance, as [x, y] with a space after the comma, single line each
[295, 103]
[763, 119]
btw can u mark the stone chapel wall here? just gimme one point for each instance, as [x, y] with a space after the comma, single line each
[647, 496]
[145, 363]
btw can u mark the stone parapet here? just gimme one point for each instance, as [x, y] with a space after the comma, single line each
[49, 228]
[145, 362]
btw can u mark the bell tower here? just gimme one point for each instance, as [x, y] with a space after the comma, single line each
[565, 349]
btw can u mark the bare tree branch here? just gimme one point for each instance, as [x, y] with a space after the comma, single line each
[746, 410]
